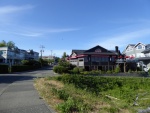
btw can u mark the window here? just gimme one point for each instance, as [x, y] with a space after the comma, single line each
[97, 59]
[139, 47]
[1, 52]
[104, 59]
[80, 60]
[85, 59]
[93, 58]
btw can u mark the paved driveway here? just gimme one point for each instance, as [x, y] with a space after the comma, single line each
[18, 95]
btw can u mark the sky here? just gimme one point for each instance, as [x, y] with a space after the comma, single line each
[63, 25]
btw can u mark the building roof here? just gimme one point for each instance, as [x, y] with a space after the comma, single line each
[131, 44]
[78, 51]
[138, 44]
[95, 50]
[143, 58]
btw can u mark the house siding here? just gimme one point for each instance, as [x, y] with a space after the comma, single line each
[11, 57]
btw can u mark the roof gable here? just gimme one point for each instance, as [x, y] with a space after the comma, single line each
[139, 44]
[97, 49]
[130, 45]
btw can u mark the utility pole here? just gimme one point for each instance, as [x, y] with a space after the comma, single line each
[41, 50]
[51, 53]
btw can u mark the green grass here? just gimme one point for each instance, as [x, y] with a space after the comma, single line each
[86, 94]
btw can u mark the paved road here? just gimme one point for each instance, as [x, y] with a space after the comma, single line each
[18, 95]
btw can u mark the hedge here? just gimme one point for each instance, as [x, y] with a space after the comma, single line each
[20, 68]
[3, 68]
[60, 69]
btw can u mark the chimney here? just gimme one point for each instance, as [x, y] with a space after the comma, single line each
[116, 49]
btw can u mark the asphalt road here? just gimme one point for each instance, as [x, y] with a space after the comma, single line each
[18, 95]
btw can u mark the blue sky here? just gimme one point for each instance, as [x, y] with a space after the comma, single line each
[63, 25]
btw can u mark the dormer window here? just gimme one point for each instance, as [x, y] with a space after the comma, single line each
[139, 47]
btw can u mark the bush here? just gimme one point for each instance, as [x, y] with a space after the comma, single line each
[19, 68]
[149, 71]
[72, 105]
[76, 70]
[60, 69]
[4, 68]
[68, 106]
[60, 93]
[25, 62]
[81, 70]
[30, 62]
[129, 71]
[117, 69]
[109, 72]
[86, 73]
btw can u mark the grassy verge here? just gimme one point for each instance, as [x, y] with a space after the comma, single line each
[78, 94]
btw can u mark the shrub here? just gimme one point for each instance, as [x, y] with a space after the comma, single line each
[60, 93]
[117, 69]
[149, 71]
[30, 62]
[72, 105]
[81, 70]
[25, 62]
[109, 72]
[75, 70]
[60, 69]
[86, 73]
[64, 67]
[4, 68]
[19, 68]
[68, 106]
[129, 71]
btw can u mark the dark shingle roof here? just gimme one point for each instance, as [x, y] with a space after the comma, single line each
[132, 44]
[78, 51]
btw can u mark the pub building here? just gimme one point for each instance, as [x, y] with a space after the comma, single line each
[96, 58]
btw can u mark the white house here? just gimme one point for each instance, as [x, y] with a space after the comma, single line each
[134, 50]
[15, 55]
[140, 53]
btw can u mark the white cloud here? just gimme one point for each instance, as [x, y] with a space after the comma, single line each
[122, 40]
[61, 30]
[8, 20]
[28, 34]
[13, 9]
[31, 31]
[10, 14]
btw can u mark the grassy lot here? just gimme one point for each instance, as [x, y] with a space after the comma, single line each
[88, 94]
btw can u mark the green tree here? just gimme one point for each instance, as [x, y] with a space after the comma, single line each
[57, 59]
[31, 52]
[64, 55]
[10, 44]
[3, 43]
[30, 62]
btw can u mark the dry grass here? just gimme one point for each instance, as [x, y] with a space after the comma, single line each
[44, 86]
[55, 84]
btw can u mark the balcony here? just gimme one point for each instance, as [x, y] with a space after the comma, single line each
[147, 55]
[120, 60]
